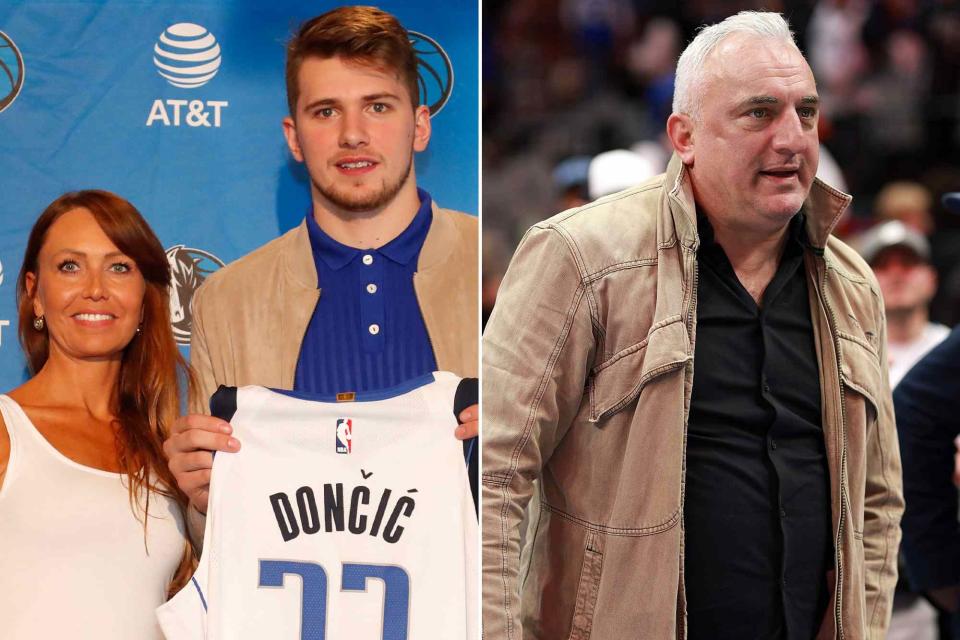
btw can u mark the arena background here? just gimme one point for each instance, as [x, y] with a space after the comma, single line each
[83, 105]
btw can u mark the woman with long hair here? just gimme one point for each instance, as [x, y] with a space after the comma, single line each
[91, 520]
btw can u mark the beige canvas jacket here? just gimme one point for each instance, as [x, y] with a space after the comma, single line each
[587, 374]
[249, 318]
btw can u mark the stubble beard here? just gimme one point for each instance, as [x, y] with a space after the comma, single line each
[359, 202]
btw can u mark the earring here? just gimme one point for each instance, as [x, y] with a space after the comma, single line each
[38, 323]
[139, 328]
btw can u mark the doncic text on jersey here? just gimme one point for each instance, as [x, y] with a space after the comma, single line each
[356, 515]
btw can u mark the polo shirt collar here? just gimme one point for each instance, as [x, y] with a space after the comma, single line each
[401, 249]
[407, 245]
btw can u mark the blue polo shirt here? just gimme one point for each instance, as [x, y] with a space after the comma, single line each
[366, 332]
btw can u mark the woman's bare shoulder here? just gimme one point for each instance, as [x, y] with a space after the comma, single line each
[4, 449]
[19, 395]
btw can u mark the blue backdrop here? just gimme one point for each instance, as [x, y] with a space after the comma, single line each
[91, 97]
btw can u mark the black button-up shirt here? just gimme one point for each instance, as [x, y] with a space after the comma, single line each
[757, 511]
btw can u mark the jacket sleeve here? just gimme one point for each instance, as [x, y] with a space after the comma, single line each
[537, 350]
[198, 402]
[927, 402]
[883, 503]
[200, 360]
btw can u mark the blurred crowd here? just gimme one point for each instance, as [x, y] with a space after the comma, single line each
[576, 94]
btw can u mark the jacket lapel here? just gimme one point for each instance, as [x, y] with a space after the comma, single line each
[437, 292]
[301, 300]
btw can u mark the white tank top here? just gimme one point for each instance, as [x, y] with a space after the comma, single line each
[337, 521]
[74, 562]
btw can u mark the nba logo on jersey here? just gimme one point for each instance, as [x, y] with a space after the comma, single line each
[344, 435]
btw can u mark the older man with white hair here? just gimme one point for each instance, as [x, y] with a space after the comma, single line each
[685, 388]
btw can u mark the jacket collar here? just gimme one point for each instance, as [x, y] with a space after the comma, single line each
[823, 207]
[298, 261]
[439, 244]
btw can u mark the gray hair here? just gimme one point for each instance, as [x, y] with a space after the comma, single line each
[687, 91]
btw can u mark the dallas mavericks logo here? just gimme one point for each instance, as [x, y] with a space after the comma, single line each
[11, 71]
[187, 55]
[434, 71]
[188, 269]
[344, 435]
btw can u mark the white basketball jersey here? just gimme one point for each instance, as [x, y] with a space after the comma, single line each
[337, 521]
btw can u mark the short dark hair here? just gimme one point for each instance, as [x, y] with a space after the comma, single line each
[366, 35]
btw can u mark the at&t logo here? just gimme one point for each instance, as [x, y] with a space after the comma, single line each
[195, 113]
[187, 56]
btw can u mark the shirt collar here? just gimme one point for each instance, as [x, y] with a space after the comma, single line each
[407, 245]
[796, 235]
[401, 249]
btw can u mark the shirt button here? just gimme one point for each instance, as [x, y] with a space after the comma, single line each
[374, 329]
[773, 445]
[367, 259]
[371, 288]
[766, 388]
[783, 513]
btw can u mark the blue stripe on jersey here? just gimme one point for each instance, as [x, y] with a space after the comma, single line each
[366, 332]
[203, 600]
[363, 396]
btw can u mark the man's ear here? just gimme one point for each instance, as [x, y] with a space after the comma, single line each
[421, 130]
[680, 132]
[290, 133]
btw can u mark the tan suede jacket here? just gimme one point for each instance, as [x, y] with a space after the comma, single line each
[249, 318]
[587, 374]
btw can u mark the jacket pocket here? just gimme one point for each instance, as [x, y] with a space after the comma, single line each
[618, 381]
[862, 395]
[587, 589]
[861, 370]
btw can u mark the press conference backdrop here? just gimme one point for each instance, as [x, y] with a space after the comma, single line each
[177, 106]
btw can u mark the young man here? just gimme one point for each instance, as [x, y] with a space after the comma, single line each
[377, 286]
[694, 369]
